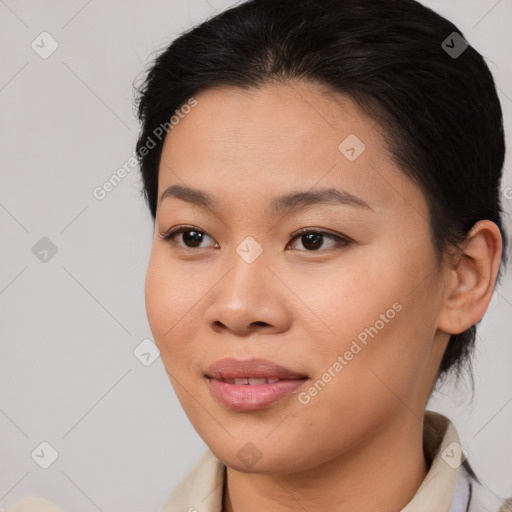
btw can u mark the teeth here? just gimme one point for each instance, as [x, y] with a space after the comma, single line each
[253, 381]
[257, 382]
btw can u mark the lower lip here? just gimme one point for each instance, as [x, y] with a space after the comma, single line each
[247, 397]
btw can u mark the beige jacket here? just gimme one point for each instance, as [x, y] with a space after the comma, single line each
[448, 486]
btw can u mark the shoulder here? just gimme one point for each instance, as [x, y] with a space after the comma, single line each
[201, 488]
[506, 506]
[32, 503]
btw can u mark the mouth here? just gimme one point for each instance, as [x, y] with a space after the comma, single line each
[252, 384]
[251, 381]
[251, 371]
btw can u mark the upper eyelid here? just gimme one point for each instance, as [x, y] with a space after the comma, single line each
[180, 229]
[322, 231]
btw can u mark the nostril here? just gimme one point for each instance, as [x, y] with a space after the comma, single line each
[260, 324]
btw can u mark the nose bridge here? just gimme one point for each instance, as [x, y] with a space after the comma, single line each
[245, 296]
[248, 267]
[249, 250]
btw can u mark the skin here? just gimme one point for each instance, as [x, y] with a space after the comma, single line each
[357, 444]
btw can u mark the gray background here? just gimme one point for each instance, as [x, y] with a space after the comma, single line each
[69, 325]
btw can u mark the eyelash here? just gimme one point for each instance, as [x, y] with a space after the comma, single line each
[340, 240]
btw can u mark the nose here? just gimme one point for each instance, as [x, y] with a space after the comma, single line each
[249, 298]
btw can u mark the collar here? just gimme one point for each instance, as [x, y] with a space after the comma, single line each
[448, 486]
[445, 488]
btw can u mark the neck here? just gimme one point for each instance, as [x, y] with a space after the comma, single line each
[383, 474]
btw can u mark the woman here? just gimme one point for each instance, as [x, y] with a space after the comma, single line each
[324, 178]
[327, 236]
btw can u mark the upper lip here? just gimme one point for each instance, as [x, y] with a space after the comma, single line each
[230, 368]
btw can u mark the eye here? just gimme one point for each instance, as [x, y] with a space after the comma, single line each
[193, 237]
[313, 239]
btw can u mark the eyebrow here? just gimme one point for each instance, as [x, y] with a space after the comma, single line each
[279, 205]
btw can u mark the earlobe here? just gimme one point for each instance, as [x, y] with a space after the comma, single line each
[471, 278]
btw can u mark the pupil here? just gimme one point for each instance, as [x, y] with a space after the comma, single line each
[312, 238]
[194, 240]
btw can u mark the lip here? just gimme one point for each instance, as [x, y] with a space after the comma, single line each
[230, 368]
[247, 397]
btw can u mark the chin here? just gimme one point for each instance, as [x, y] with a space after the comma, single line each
[260, 457]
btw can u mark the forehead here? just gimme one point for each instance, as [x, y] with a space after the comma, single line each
[289, 119]
[246, 144]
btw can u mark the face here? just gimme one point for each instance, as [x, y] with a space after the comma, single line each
[338, 287]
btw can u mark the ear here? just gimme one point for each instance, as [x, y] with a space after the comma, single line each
[470, 278]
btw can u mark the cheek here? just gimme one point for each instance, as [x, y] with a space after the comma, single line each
[351, 298]
[381, 315]
[172, 300]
